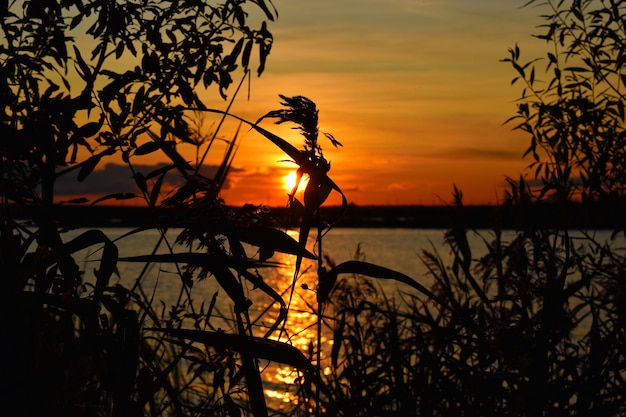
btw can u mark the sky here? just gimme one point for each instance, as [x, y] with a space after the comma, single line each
[413, 89]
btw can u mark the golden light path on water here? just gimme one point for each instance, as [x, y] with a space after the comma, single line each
[162, 285]
[300, 329]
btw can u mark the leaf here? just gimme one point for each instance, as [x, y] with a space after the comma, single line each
[288, 148]
[259, 347]
[140, 181]
[119, 50]
[327, 280]
[247, 50]
[552, 58]
[232, 58]
[337, 339]
[231, 407]
[116, 196]
[147, 148]
[169, 149]
[217, 264]
[265, 45]
[84, 68]
[263, 6]
[258, 282]
[156, 190]
[138, 102]
[199, 259]
[88, 166]
[273, 239]
[90, 129]
[222, 171]
[76, 20]
[577, 12]
[171, 35]
[108, 261]
[160, 171]
[79, 200]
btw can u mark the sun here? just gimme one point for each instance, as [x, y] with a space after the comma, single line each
[289, 181]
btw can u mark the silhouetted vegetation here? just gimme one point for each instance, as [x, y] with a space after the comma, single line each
[532, 324]
[85, 81]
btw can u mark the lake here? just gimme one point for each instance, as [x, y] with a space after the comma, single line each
[397, 249]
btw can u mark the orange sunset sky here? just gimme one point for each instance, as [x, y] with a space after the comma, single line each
[414, 89]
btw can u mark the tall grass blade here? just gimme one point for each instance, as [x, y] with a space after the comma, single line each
[222, 172]
[261, 348]
[273, 239]
[327, 280]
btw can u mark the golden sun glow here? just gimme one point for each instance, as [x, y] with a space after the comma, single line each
[289, 181]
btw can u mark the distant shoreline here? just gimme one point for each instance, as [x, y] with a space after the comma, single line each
[575, 216]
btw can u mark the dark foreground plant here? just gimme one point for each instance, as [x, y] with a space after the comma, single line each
[78, 341]
[519, 323]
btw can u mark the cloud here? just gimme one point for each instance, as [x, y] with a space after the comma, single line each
[401, 186]
[115, 178]
[468, 153]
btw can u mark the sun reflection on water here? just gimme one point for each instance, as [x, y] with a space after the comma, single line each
[300, 329]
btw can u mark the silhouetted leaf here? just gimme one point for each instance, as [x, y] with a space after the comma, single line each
[265, 45]
[79, 200]
[231, 407]
[170, 35]
[266, 10]
[89, 129]
[160, 171]
[217, 264]
[156, 191]
[85, 71]
[272, 350]
[328, 279]
[169, 148]
[247, 50]
[140, 181]
[337, 340]
[232, 58]
[577, 69]
[108, 260]
[115, 196]
[88, 166]
[273, 239]
[147, 148]
[138, 102]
